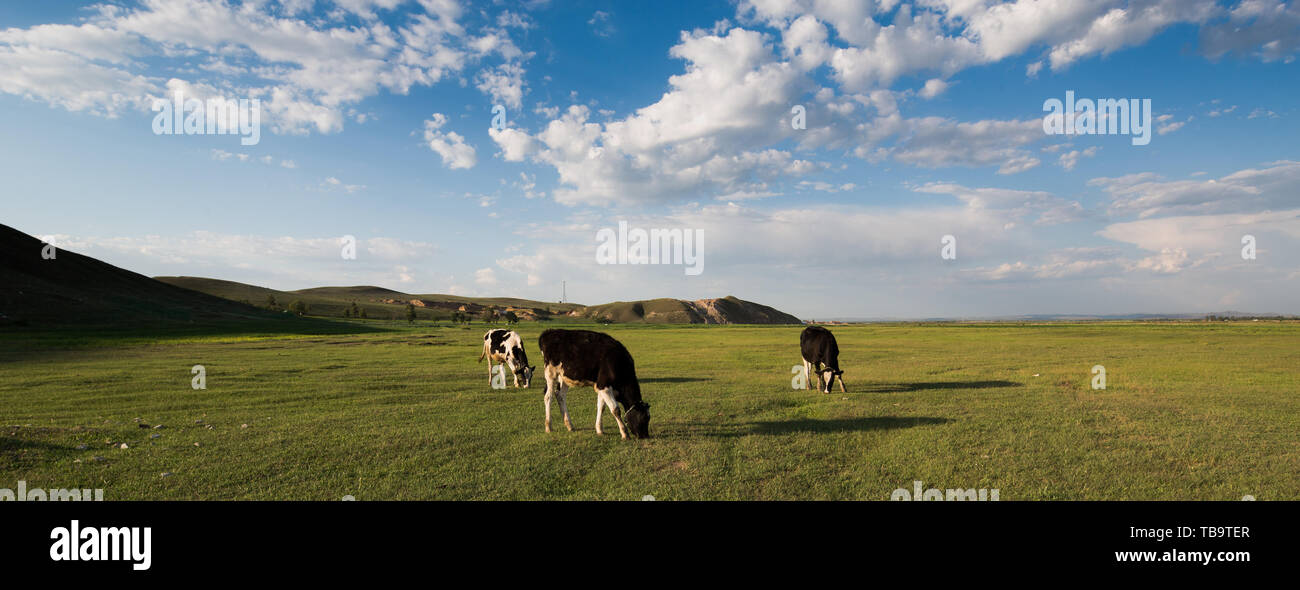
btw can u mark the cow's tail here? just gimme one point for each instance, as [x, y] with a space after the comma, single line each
[485, 351]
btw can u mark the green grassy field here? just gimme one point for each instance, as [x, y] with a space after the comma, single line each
[1191, 411]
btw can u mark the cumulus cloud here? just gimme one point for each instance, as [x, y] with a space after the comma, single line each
[933, 87]
[935, 142]
[485, 277]
[1068, 160]
[449, 145]
[1274, 186]
[946, 36]
[1044, 207]
[307, 69]
[1265, 29]
[1203, 234]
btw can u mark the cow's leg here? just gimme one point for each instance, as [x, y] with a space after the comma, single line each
[547, 403]
[808, 375]
[842, 390]
[516, 376]
[489, 359]
[618, 419]
[607, 396]
[564, 406]
[551, 385]
[600, 412]
[821, 379]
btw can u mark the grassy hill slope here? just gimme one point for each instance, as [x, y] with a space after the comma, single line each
[74, 289]
[378, 302]
[726, 310]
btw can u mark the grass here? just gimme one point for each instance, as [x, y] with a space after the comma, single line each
[1191, 411]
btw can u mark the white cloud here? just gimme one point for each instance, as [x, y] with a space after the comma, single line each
[600, 24]
[1169, 126]
[306, 71]
[1013, 205]
[516, 145]
[934, 142]
[332, 183]
[485, 277]
[449, 145]
[505, 84]
[933, 87]
[1204, 234]
[1266, 29]
[283, 262]
[1273, 187]
[1070, 159]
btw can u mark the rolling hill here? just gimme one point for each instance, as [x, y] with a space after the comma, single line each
[377, 302]
[726, 310]
[74, 289]
[381, 303]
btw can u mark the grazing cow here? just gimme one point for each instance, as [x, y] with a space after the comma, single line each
[819, 348]
[581, 357]
[506, 347]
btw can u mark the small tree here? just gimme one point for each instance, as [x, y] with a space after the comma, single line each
[347, 313]
[410, 313]
[270, 302]
[298, 307]
[356, 311]
[488, 315]
[363, 313]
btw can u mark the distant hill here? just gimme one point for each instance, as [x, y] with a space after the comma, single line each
[727, 310]
[76, 289]
[377, 302]
[381, 303]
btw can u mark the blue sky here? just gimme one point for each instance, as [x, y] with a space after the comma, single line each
[924, 119]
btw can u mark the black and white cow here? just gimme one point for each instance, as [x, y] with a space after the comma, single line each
[581, 357]
[505, 346]
[821, 355]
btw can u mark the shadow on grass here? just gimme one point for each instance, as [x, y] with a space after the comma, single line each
[904, 387]
[25, 342]
[816, 426]
[672, 380]
[8, 444]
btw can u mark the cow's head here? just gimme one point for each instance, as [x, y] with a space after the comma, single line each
[638, 419]
[828, 376]
[525, 374]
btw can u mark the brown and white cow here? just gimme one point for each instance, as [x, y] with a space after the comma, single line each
[582, 357]
[506, 347]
